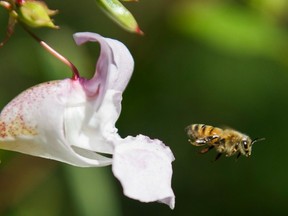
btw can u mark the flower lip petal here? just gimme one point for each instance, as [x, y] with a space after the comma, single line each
[143, 166]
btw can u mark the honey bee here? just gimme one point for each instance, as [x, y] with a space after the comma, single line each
[225, 141]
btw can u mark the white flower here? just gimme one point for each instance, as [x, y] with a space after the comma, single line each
[73, 121]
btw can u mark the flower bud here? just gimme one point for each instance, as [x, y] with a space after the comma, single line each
[36, 14]
[120, 15]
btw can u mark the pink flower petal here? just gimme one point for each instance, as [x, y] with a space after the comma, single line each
[70, 120]
[143, 166]
[113, 72]
[114, 66]
[33, 123]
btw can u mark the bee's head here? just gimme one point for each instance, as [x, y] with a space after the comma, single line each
[246, 145]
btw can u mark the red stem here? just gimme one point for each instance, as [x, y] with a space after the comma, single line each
[56, 54]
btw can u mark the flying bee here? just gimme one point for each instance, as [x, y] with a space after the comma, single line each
[225, 141]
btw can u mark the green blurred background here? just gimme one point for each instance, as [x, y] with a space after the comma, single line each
[213, 62]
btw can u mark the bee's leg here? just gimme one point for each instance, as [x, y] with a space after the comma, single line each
[218, 156]
[198, 142]
[212, 138]
[239, 154]
[193, 142]
[205, 140]
[220, 142]
[205, 150]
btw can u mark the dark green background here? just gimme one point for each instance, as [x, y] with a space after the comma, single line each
[191, 66]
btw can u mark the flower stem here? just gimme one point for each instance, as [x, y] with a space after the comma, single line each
[9, 32]
[6, 5]
[55, 54]
[10, 28]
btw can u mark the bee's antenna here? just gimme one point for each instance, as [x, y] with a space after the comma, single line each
[257, 140]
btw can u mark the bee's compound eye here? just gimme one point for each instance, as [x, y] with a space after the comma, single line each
[245, 143]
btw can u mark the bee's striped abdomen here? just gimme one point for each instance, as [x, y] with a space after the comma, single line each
[200, 134]
[203, 130]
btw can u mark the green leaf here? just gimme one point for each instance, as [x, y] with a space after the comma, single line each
[93, 191]
[275, 8]
[116, 11]
[230, 28]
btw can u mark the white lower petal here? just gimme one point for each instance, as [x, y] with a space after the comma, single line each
[34, 123]
[143, 166]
